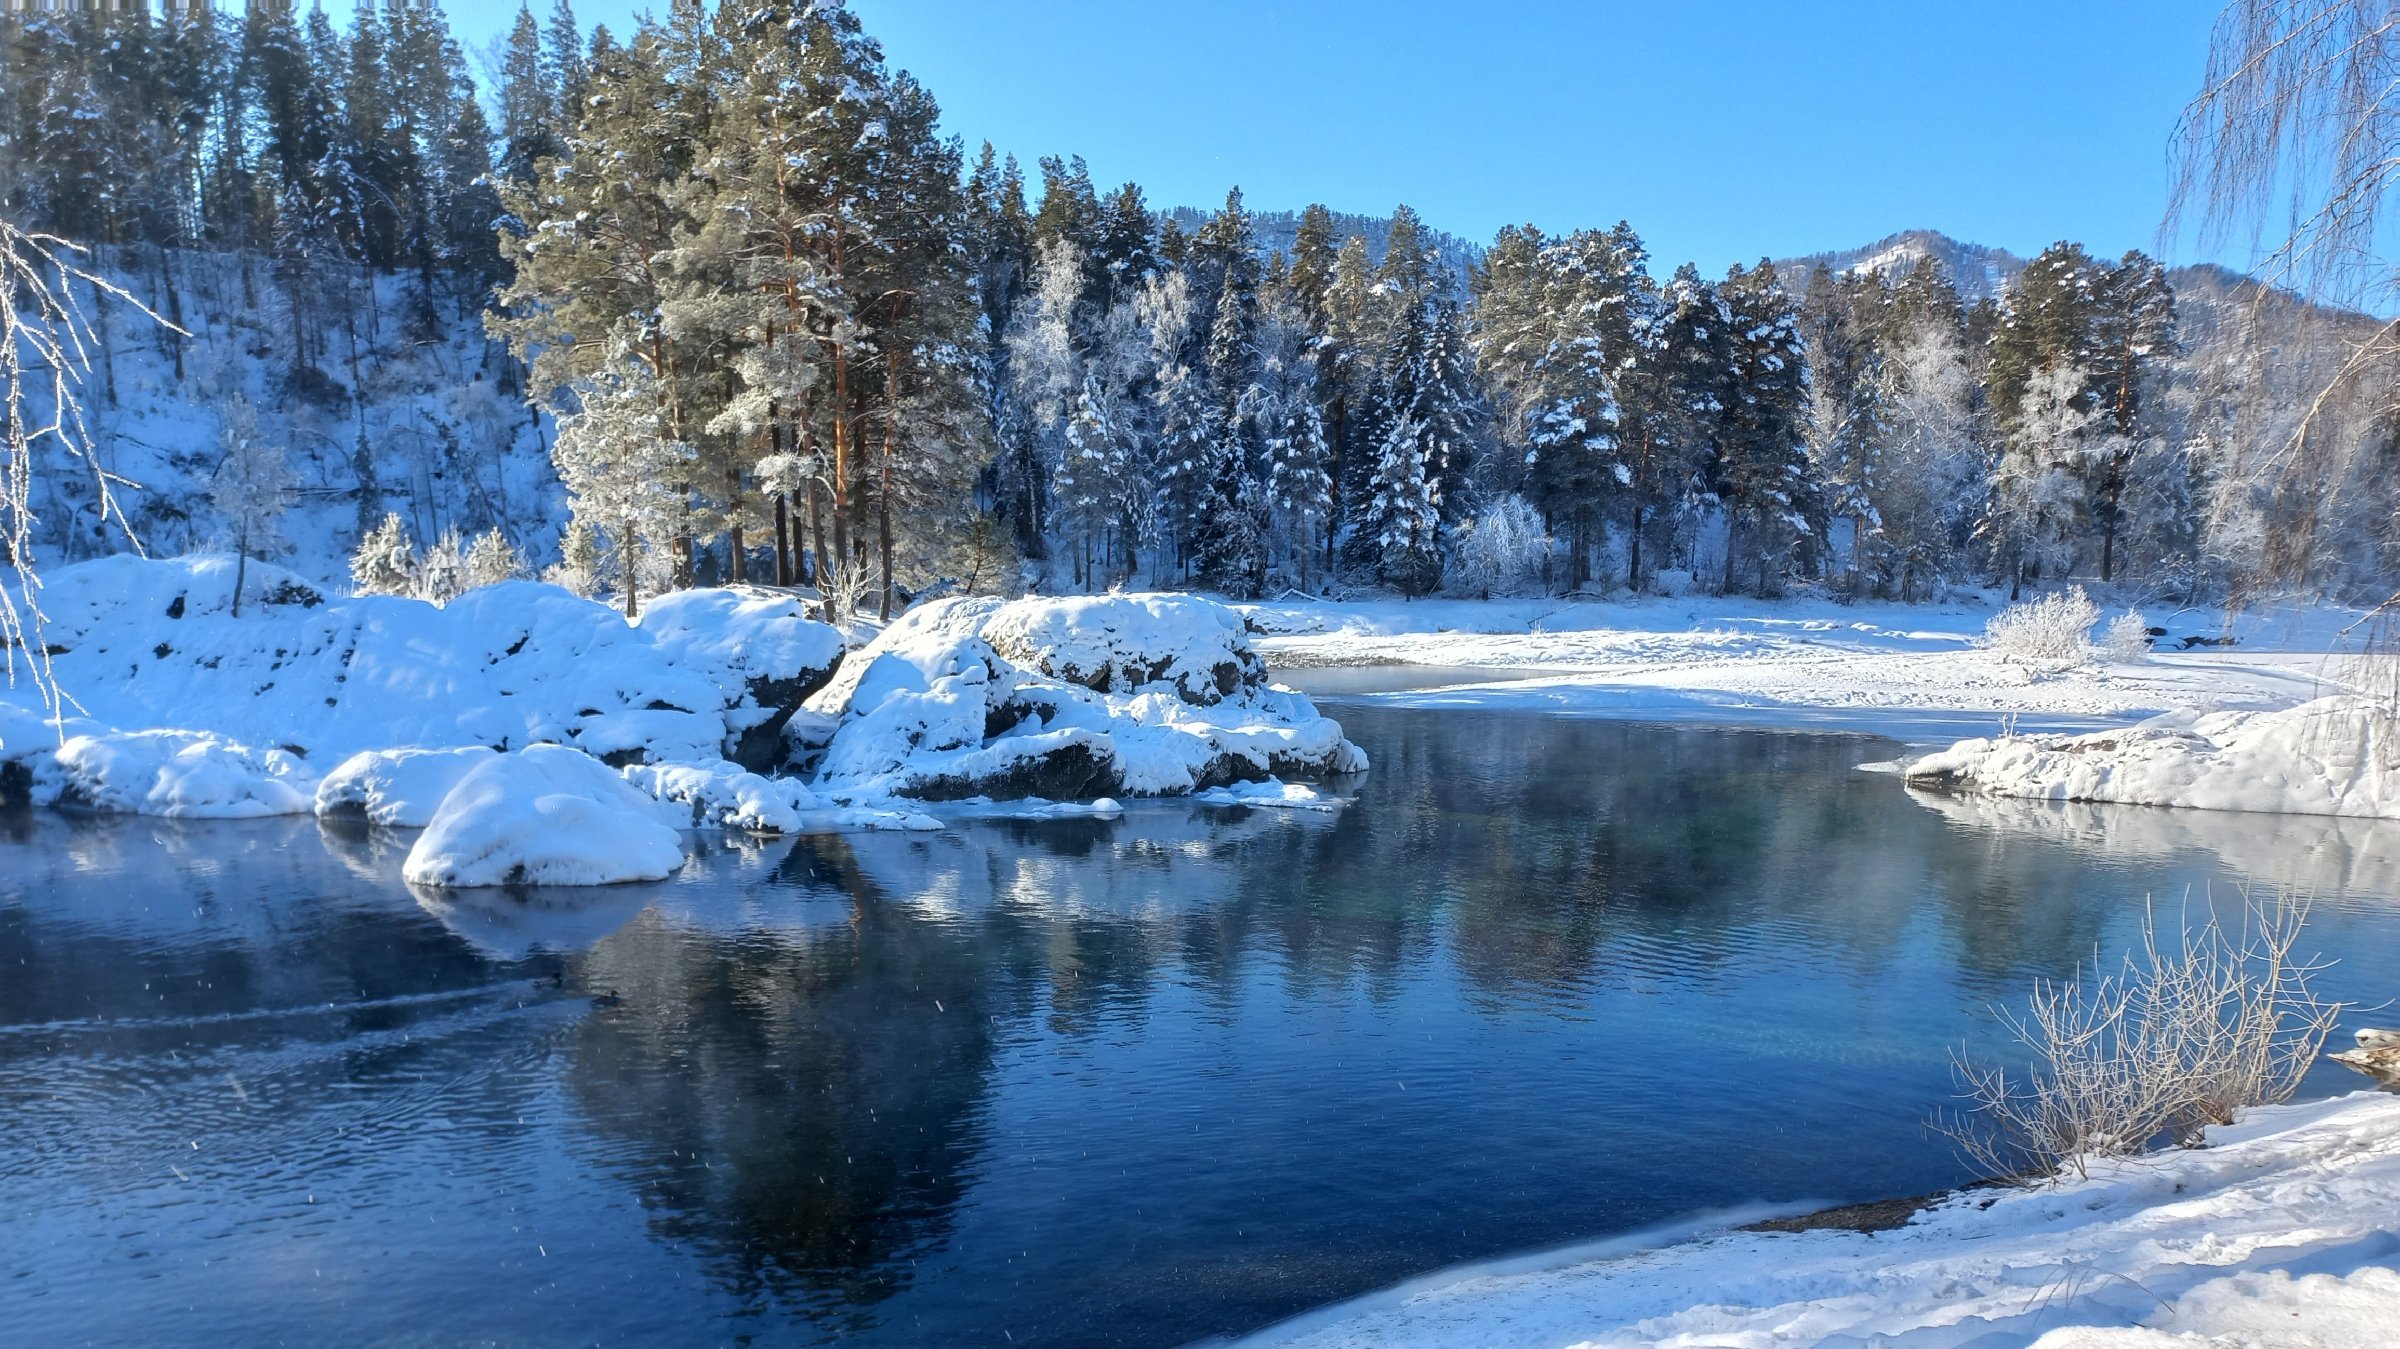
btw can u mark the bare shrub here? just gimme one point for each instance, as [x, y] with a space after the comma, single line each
[2055, 630]
[2192, 1027]
[2127, 637]
[1501, 550]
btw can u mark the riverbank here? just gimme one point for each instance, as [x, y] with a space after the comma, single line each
[2279, 1232]
[1915, 671]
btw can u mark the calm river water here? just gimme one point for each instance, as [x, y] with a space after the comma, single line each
[1130, 1082]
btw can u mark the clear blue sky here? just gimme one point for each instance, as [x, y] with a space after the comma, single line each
[1723, 129]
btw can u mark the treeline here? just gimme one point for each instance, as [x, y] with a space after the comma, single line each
[789, 332]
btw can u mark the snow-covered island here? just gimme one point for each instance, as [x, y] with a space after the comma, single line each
[538, 738]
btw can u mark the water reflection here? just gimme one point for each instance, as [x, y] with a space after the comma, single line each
[1052, 1082]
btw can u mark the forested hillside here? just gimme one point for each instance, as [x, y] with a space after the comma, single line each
[721, 298]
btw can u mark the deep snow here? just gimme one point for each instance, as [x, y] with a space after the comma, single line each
[2330, 756]
[1913, 671]
[2283, 1231]
[722, 709]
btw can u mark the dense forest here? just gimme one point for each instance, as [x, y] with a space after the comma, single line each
[724, 287]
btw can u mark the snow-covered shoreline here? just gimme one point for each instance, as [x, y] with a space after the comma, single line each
[1916, 672]
[2280, 1232]
[537, 738]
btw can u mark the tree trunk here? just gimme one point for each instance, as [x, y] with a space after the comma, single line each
[783, 540]
[625, 554]
[241, 567]
[883, 495]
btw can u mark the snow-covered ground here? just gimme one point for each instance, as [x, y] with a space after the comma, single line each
[2283, 1231]
[1914, 671]
[540, 739]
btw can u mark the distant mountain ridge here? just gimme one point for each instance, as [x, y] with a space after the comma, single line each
[1276, 230]
[1980, 273]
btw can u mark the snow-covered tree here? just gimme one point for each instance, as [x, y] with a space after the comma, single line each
[492, 559]
[620, 464]
[251, 488]
[385, 561]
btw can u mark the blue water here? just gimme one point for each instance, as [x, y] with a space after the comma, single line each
[1127, 1082]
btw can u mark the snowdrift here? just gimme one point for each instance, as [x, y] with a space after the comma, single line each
[2333, 756]
[145, 644]
[1117, 695]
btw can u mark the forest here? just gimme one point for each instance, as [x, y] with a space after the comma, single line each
[721, 299]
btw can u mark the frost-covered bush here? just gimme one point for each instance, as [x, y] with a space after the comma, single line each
[2200, 1021]
[442, 576]
[386, 560]
[1672, 582]
[1500, 551]
[578, 567]
[2053, 630]
[492, 559]
[2127, 637]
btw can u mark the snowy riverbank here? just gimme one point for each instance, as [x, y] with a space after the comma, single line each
[1913, 671]
[2281, 1232]
[538, 738]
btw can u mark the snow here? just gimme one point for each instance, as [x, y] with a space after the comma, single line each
[399, 788]
[544, 815]
[1271, 793]
[1917, 671]
[725, 796]
[183, 707]
[2330, 756]
[179, 773]
[1141, 695]
[2280, 1232]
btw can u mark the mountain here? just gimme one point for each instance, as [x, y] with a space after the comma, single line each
[1979, 273]
[1276, 230]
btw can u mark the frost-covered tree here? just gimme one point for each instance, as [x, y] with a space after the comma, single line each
[251, 488]
[492, 559]
[385, 561]
[620, 464]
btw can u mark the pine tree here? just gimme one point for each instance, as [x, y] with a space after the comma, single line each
[528, 113]
[385, 561]
[2132, 341]
[1761, 469]
[620, 462]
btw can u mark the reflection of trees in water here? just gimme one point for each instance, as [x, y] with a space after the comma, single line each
[796, 1100]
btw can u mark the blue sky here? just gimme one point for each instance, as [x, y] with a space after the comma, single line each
[1723, 130]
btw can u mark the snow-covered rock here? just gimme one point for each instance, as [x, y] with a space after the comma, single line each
[544, 815]
[1141, 695]
[759, 641]
[1129, 643]
[724, 795]
[187, 774]
[1271, 794]
[144, 644]
[2333, 756]
[401, 788]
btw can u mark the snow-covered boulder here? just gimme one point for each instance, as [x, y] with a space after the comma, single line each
[544, 815]
[400, 788]
[148, 644]
[1144, 695]
[1130, 643]
[177, 773]
[759, 641]
[2334, 756]
[724, 795]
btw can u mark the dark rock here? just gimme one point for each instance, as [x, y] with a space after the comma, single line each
[1072, 772]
